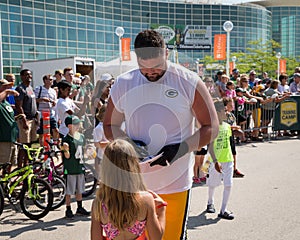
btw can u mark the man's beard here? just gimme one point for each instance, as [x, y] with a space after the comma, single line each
[154, 77]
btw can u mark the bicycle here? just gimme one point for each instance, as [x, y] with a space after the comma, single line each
[35, 197]
[48, 171]
[57, 170]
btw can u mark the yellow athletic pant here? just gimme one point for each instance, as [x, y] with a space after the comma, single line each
[176, 215]
[257, 117]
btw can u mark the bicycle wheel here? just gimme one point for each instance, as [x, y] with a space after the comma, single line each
[1, 200]
[59, 191]
[37, 204]
[90, 180]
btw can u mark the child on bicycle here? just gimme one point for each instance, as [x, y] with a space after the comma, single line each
[72, 148]
[123, 208]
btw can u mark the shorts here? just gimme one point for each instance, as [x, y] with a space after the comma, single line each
[28, 135]
[53, 125]
[241, 118]
[75, 184]
[215, 178]
[8, 153]
[97, 166]
[203, 151]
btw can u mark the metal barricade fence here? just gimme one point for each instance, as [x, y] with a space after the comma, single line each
[256, 119]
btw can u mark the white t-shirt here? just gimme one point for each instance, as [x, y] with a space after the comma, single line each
[99, 137]
[62, 106]
[46, 93]
[159, 113]
[283, 89]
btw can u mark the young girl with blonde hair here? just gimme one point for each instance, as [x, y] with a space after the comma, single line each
[123, 208]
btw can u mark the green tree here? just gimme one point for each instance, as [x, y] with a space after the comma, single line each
[260, 56]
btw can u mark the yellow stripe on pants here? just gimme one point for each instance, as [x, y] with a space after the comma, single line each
[176, 215]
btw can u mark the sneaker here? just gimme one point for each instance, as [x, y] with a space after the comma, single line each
[226, 215]
[203, 179]
[196, 180]
[237, 174]
[69, 214]
[82, 211]
[210, 208]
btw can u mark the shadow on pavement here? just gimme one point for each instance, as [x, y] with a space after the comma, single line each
[24, 224]
[201, 220]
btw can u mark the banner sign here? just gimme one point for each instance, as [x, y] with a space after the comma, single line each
[282, 66]
[288, 113]
[125, 49]
[185, 37]
[231, 67]
[220, 47]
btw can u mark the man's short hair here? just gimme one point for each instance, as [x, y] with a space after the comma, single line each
[23, 71]
[67, 69]
[58, 72]
[45, 77]
[149, 44]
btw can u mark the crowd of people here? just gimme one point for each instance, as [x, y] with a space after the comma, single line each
[150, 149]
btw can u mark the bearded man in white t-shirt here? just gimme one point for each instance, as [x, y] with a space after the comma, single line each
[159, 103]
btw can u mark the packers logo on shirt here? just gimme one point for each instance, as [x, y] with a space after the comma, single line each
[171, 93]
[9, 108]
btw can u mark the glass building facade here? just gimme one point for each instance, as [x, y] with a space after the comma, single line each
[285, 29]
[40, 29]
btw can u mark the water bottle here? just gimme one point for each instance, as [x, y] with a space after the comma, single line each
[205, 166]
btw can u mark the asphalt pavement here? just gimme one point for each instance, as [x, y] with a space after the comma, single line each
[265, 203]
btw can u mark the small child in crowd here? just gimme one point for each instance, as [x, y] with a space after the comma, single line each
[72, 147]
[123, 208]
[100, 140]
[222, 167]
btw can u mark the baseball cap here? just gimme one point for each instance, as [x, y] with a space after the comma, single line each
[4, 82]
[219, 73]
[106, 77]
[252, 72]
[239, 90]
[235, 70]
[297, 75]
[72, 119]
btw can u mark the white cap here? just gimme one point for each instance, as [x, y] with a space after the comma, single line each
[106, 77]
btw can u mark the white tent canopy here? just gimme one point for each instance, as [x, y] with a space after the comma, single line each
[113, 67]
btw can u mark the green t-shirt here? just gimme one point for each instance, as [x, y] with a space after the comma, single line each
[8, 126]
[222, 147]
[72, 165]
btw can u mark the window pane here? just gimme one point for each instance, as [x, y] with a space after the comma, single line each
[39, 31]
[27, 30]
